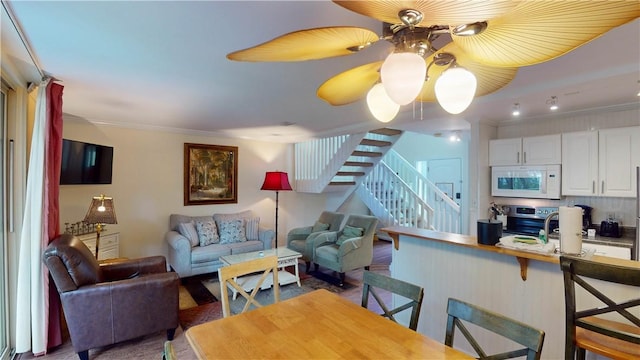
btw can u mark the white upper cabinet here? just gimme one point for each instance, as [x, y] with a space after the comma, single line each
[580, 163]
[601, 163]
[618, 157]
[534, 150]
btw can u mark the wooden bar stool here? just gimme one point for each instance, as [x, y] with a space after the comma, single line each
[586, 331]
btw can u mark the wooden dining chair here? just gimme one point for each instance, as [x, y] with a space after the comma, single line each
[458, 311]
[414, 293]
[587, 331]
[259, 269]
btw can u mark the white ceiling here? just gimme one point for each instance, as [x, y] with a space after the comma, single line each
[162, 65]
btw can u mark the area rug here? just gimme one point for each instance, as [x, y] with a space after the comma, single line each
[200, 314]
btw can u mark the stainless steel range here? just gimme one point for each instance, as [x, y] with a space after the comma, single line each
[528, 220]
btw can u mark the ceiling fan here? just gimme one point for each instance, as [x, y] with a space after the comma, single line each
[489, 41]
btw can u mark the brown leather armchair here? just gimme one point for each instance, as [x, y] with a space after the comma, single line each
[108, 303]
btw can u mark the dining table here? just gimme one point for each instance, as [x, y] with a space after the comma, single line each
[315, 325]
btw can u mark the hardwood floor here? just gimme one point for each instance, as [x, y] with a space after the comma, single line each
[150, 347]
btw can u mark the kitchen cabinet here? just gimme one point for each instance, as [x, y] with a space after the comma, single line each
[534, 150]
[109, 244]
[601, 163]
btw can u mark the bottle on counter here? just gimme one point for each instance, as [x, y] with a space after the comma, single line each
[542, 236]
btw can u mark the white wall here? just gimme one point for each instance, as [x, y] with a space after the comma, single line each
[148, 184]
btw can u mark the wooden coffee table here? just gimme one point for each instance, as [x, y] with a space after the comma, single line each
[286, 257]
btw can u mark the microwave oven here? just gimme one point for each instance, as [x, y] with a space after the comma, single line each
[539, 181]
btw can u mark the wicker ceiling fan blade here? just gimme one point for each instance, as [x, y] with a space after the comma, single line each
[351, 85]
[489, 78]
[435, 12]
[538, 31]
[309, 44]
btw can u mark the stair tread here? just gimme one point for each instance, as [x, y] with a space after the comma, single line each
[366, 153]
[358, 163]
[372, 142]
[386, 131]
[342, 183]
[350, 173]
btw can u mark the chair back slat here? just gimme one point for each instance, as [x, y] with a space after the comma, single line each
[262, 267]
[410, 291]
[584, 329]
[458, 311]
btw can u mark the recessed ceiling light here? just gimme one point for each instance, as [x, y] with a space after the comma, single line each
[516, 110]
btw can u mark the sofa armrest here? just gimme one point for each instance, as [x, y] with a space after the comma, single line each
[266, 236]
[179, 253]
[128, 269]
[349, 245]
[299, 233]
[324, 238]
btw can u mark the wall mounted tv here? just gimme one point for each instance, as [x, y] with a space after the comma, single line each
[84, 163]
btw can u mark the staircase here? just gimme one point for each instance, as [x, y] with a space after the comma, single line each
[367, 153]
[392, 188]
[399, 195]
[339, 163]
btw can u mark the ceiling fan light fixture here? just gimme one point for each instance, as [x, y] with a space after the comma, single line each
[380, 104]
[455, 89]
[403, 75]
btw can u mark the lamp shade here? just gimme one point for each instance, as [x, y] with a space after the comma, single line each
[455, 89]
[276, 181]
[403, 76]
[101, 211]
[380, 104]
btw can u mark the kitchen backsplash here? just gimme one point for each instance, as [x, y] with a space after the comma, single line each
[622, 209]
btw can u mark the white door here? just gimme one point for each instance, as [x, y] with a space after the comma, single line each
[446, 174]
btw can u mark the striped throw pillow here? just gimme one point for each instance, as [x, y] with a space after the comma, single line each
[251, 228]
[188, 230]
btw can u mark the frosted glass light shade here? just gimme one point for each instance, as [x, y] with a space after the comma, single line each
[403, 76]
[455, 89]
[380, 104]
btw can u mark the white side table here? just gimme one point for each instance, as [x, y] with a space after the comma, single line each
[286, 257]
[109, 244]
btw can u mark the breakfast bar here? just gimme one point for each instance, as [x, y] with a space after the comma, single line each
[455, 265]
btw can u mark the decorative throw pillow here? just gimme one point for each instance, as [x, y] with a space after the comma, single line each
[188, 230]
[318, 226]
[349, 232]
[251, 228]
[207, 232]
[231, 231]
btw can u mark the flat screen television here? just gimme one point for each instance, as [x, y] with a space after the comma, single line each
[84, 163]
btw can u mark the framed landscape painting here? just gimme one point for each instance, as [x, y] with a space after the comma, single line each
[210, 174]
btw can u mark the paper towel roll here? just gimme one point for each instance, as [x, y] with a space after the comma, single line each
[570, 225]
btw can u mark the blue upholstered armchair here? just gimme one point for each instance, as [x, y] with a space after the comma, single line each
[348, 249]
[301, 239]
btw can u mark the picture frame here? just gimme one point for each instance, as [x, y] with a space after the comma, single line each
[210, 174]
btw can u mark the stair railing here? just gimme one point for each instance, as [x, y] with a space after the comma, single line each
[446, 211]
[318, 160]
[393, 201]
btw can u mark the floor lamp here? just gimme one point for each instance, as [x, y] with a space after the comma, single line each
[276, 181]
[101, 211]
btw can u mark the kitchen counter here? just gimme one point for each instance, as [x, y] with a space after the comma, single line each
[627, 239]
[522, 256]
[454, 265]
